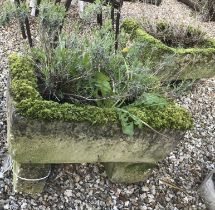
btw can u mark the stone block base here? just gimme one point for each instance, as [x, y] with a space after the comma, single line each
[30, 178]
[128, 172]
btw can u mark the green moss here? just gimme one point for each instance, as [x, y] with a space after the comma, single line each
[210, 43]
[50, 110]
[21, 68]
[141, 35]
[132, 27]
[195, 51]
[23, 89]
[171, 116]
[177, 63]
[30, 104]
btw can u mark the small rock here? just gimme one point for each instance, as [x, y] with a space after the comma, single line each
[145, 189]
[68, 193]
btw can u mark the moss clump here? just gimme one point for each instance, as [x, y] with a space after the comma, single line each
[21, 68]
[132, 27]
[23, 89]
[30, 104]
[168, 117]
[49, 110]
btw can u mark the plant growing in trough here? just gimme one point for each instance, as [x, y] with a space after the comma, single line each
[10, 11]
[80, 100]
[174, 35]
[178, 62]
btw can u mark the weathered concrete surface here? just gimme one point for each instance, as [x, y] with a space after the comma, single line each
[35, 143]
[25, 177]
[32, 141]
[177, 63]
[128, 172]
[188, 66]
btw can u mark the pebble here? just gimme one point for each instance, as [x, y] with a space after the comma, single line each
[171, 11]
[68, 193]
[145, 189]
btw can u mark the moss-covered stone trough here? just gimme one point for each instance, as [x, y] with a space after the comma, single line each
[177, 63]
[43, 132]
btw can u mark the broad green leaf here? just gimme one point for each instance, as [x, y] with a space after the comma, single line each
[152, 99]
[102, 82]
[127, 126]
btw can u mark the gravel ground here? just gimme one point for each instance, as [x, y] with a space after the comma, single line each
[173, 184]
[171, 11]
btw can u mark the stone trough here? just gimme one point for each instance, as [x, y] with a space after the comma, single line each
[40, 134]
[126, 158]
[177, 63]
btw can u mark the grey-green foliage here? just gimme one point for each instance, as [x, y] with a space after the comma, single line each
[175, 35]
[51, 16]
[91, 11]
[50, 21]
[9, 11]
[84, 68]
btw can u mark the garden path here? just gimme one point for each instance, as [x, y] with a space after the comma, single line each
[171, 11]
